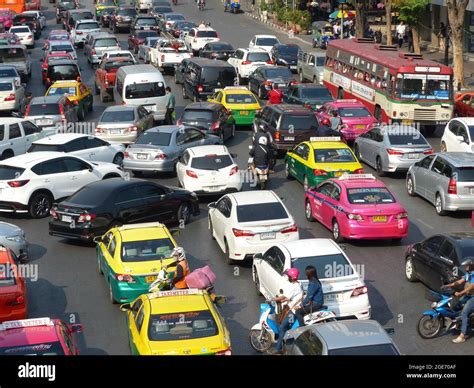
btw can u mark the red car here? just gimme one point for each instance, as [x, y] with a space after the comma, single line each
[51, 58]
[464, 104]
[12, 288]
[38, 336]
[105, 76]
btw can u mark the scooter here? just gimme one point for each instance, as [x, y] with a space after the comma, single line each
[445, 314]
[261, 172]
[265, 333]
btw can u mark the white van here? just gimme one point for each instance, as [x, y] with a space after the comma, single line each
[141, 85]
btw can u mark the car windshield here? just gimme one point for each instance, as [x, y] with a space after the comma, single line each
[283, 72]
[182, 326]
[405, 139]
[127, 12]
[58, 37]
[43, 109]
[465, 174]
[118, 116]
[45, 147]
[220, 47]
[354, 112]
[8, 54]
[184, 25]
[206, 34]
[175, 17]
[211, 162]
[146, 250]
[289, 50]
[8, 73]
[370, 350]
[240, 99]
[424, 86]
[198, 115]
[112, 67]
[88, 26]
[261, 212]
[327, 266]
[266, 41]
[19, 30]
[10, 172]
[64, 72]
[299, 122]
[258, 57]
[6, 86]
[321, 94]
[42, 349]
[154, 138]
[214, 74]
[146, 90]
[106, 42]
[56, 91]
[334, 155]
[370, 196]
[62, 47]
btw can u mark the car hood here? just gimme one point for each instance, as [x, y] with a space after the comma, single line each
[7, 229]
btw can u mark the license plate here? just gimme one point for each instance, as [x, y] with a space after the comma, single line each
[339, 297]
[293, 67]
[267, 236]
[142, 156]
[281, 86]
[66, 218]
[150, 279]
[360, 126]
[146, 28]
[379, 219]
[289, 138]
[115, 131]
[44, 122]
[213, 188]
[244, 113]
[150, 108]
[413, 156]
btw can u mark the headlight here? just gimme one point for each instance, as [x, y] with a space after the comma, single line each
[434, 304]
[18, 238]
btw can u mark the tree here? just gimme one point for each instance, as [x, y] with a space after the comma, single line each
[360, 7]
[456, 12]
[411, 12]
[388, 16]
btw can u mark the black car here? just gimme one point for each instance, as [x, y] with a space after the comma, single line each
[436, 260]
[181, 27]
[106, 15]
[122, 18]
[145, 22]
[71, 17]
[262, 80]
[209, 117]
[217, 50]
[311, 96]
[286, 55]
[159, 10]
[63, 70]
[62, 7]
[98, 206]
[28, 20]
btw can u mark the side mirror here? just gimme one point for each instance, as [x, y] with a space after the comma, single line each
[97, 239]
[258, 256]
[125, 307]
[460, 139]
[212, 205]
[175, 232]
[220, 300]
[258, 115]
[76, 328]
[234, 155]
[390, 331]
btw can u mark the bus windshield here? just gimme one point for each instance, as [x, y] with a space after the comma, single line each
[424, 86]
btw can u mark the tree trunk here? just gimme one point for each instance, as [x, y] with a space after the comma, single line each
[456, 12]
[359, 20]
[416, 39]
[388, 16]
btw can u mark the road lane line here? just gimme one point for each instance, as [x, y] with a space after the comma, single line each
[424, 223]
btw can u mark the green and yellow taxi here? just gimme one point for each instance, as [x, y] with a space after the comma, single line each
[102, 4]
[320, 158]
[241, 101]
[77, 92]
[130, 257]
[179, 322]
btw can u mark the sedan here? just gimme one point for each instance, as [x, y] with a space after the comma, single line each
[12, 95]
[62, 46]
[13, 237]
[458, 135]
[106, 15]
[25, 35]
[217, 50]
[169, 19]
[159, 148]
[137, 38]
[145, 23]
[311, 96]
[286, 55]
[264, 78]
[246, 223]
[391, 148]
[13, 300]
[39, 15]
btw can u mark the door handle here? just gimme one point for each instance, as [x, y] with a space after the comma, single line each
[46, 180]
[74, 178]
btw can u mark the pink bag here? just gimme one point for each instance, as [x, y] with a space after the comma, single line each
[201, 278]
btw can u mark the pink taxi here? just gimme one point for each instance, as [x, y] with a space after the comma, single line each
[355, 117]
[357, 206]
[6, 17]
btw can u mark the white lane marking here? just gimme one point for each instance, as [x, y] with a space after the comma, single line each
[424, 223]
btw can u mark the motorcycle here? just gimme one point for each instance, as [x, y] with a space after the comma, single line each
[445, 314]
[261, 172]
[201, 5]
[265, 333]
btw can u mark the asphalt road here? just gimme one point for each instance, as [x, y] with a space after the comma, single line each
[70, 287]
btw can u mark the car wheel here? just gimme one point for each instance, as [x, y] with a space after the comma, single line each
[232, 133]
[80, 114]
[137, 173]
[439, 205]
[96, 89]
[411, 186]
[287, 171]
[357, 152]
[379, 167]
[7, 154]
[410, 273]
[111, 294]
[211, 229]
[308, 211]
[99, 267]
[301, 77]
[336, 232]
[176, 79]
[257, 281]
[227, 254]
[118, 159]
[305, 184]
[40, 205]
[239, 79]
[185, 96]
[184, 213]
[443, 147]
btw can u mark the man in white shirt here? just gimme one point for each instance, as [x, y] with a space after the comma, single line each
[401, 31]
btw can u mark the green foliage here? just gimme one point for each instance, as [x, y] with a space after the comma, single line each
[411, 11]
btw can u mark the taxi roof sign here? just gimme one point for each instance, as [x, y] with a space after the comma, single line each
[325, 138]
[160, 294]
[26, 323]
[142, 225]
[356, 176]
[236, 87]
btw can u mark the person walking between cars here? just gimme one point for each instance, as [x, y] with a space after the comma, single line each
[182, 269]
[170, 105]
[314, 298]
[335, 121]
[401, 31]
[275, 96]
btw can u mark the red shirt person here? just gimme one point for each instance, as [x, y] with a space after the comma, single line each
[275, 96]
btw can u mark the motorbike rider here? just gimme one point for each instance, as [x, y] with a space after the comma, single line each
[261, 153]
[466, 295]
[314, 298]
[182, 269]
[275, 96]
[262, 132]
[294, 296]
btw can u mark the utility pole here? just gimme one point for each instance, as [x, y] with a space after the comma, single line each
[446, 42]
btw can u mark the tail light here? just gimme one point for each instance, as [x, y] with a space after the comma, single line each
[16, 184]
[428, 152]
[124, 278]
[326, 122]
[29, 37]
[191, 174]
[307, 106]
[452, 186]
[401, 216]
[242, 233]
[126, 155]
[200, 88]
[61, 112]
[391, 151]
[293, 228]
[246, 63]
[162, 58]
[356, 217]
[78, 32]
[132, 128]
[270, 62]
[86, 217]
[11, 97]
[227, 352]
[359, 291]
[93, 52]
[15, 302]
[161, 156]
[319, 172]
[99, 130]
[293, 83]
[235, 170]
[277, 136]
[359, 171]
[215, 126]
[53, 213]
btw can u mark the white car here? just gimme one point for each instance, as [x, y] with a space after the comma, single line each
[25, 35]
[208, 170]
[12, 94]
[249, 222]
[81, 29]
[264, 42]
[31, 182]
[62, 46]
[246, 61]
[168, 54]
[197, 38]
[119, 54]
[39, 15]
[458, 135]
[345, 292]
[88, 147]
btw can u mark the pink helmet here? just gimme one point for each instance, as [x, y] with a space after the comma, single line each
[293, 274]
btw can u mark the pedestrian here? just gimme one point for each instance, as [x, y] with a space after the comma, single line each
[442, 36]
[378, 36]
[170, 105]
[411, 47]
[401, 31]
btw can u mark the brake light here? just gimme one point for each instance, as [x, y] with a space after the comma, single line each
[124, 278]
[78, 32]
[246, 63]
[99, 130]
[391, 151]
[200, 89]
[93, 52]
[319, 172]
[53, 213]
[191, 174]
[227, 352]
[132, 128]
[86, 217]
[235, 170]
[277, 136]
[428, 152]
[356, 217]
[18, 300]
[11, 97]
[270, 62]
[293, 228]
[161, 156]
[401, 216]
[29, 37]
[359, 291]
[242, 233]
[16, 184]
[452, 186]
[215, 126]
[293, 83]
[359, 171]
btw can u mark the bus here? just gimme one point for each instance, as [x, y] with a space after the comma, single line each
[15, 5]
[395, 86]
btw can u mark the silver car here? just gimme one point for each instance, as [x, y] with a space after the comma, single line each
[98, 44]
[159, 148]
[51, 111]
[391, 148]
[17, 55]
[13, 237]
[341, 338]
[7, 71]
[122, 124]
[445, 179]
[144, 49]
[12, 94]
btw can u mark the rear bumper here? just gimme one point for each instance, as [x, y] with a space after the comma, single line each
[126, 293]
[123, 139]
[455, 202]
[8, 105]
[162, 166]
[13, 207]
[243, 249]
[60, 229]
[13, 313]
[371, 231]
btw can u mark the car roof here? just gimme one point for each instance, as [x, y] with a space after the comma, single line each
[135, 232]
[86, 21]
[346, 103]
[60, 138]
[115, 108]
[31, 158]
[210, 62]
[254, 197]
[328, 144]
[178, 304]
[67, 83]
[458, 159]
[356, 183]
[254, 50]
[141, 69]
[61, 42]
[203, 105]
[298, 109]
[208, 150]
[266, 36]
[46, 99]
[311, 246]
[166, 128]
[28, 336]
[12, 120]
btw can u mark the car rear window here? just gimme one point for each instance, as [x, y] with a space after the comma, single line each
[465, 174]
[43, 109]
[289, 50]
[154, 138]
[88, 26]
[146, 90]
[278, 72]
[258, 57]
[206, 34]
[221, 46]
[42, 349]
[261, 212]
[59, 91]
[127, 12]
[6, 86]
[88, 196]
[147, 21]
[354, 112]
[415, 139]
[114, 66]
[10, 172]
[56, 59]
[17, 30]
[370, 195]
[118, 116]
[182, 326]
[146, 250]
[176, 17]
[211, 162]
[240, 99]
[370, 350]
[266, 41]
[213, 74]
[325, 265]
[106, 42]
[299, 122]
[8, 73]
[8, 54]
[333, 155]
[62, 47]
[63, 72]
[198, 115]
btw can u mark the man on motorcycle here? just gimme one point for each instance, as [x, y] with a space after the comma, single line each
[182, 269]
[275, 96]
[262, 132]
[261, 153]
[467, 296]
[314, 298]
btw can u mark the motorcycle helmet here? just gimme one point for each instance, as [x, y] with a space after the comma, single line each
[263, 140]
[179, 253]
[262, 128]
[468, 262]
[293, 274]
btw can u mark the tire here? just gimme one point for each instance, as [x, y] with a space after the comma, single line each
[7, 154]
[443, 147]
[429, 327]
[410, 186]
[257, 281]
[357, 152]
[378, 113]
[308, 211]
[111, 295]
[185, 96]
[137, 173]
[96, 89]
[118, 159]
[379, 167]
[80, 114]
[287, 172]
[110, 176]
[439, 205]
[340, 94]
[305, 184]
[184, 213]
[211, 229]
[301, 77]
[232, 134]
[99, 267]
[227, 257]
[336, 232]
[260, 340]
[40, 205]
[410, 272]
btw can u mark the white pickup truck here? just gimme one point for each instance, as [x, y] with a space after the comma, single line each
[166, 55]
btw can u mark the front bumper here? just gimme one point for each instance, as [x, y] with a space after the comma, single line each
[159, 165]
[367, 230]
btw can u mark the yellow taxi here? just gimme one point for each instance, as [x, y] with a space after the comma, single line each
[180, 322]
[241, 101]
[130, 257]
[78, 93]
[320, 158]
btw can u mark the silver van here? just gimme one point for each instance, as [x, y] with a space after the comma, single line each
[17, 55]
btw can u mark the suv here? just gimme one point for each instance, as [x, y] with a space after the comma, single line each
[62, 6]
[51, 111]
[198, 37]
[202, 76]
[246, 61]
[64, 70]
[75, 15]
[145, 22]
[17, 55]
[444, 179]
[81, 29]
[28, 20]
[97, 44]
[122, 18]
[289, 125]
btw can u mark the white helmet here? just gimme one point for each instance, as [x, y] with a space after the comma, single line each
[263, 140]
[179, 253]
